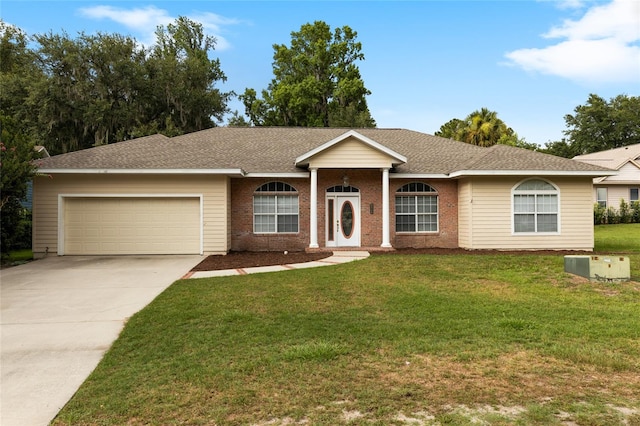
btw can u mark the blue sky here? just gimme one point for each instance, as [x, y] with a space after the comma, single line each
[426, 62]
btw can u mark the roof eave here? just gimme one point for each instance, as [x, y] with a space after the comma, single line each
[418, 176]
[589, 173]
[227, 172]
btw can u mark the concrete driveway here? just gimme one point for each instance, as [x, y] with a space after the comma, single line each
[59, 315]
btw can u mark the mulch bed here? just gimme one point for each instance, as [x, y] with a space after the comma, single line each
[248, 259]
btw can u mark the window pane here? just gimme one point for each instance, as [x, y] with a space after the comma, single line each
[524, 223]
[405, 205]
[287, 223]
[535, 185]
[547, 223]
[524, 203]
[264, 223]
[264, 204]
[427, 223]
[601, 195]
[405, 223]
[633, 194]
[547, 203]
[427, 204]
[287, 204]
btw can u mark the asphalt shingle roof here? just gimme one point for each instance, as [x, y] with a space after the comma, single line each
[612, 158]
[274, 150]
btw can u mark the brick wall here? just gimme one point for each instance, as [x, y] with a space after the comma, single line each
[447, 235]
[369, 182]
[242, 236]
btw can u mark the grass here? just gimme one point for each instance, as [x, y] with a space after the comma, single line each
[17, 257]
[618, 238]
[391, 340]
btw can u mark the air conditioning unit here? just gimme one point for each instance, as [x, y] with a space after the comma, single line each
[599, 268]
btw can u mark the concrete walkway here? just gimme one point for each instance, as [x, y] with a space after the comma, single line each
[336, 258]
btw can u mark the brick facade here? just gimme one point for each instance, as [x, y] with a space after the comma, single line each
[369, 182]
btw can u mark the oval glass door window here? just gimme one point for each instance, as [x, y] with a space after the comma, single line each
[346, 218]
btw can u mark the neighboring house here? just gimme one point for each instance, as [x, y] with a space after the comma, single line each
[276, 188]
[625, 185]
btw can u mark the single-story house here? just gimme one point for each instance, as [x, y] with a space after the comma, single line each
[608, 190]
[277, 188]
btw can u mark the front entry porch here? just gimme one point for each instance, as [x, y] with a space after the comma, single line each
[349, 216]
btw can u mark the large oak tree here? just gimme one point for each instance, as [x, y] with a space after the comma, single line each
[78, 92]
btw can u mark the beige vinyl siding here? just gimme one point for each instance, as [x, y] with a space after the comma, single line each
[465, 212]
[213, 190]
[615, 193]
[351, 153]
[627, 173]
[492, 216]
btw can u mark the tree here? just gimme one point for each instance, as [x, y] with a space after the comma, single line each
[18, 74]
[93, 90]
[184, 78]
[316, 82]
[481, 127]
[75, 93]
[559, 148]
[16, 162]
[600, 125]
[452, 129]
[16, 170]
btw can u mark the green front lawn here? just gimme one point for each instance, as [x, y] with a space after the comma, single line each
[621, 238]
[394, 339]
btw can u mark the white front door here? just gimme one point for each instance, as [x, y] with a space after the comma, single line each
[343, 220]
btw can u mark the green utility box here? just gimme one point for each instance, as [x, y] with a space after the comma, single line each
[599, 268]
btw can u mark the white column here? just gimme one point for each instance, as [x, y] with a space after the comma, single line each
[313, 225]
[385, 209]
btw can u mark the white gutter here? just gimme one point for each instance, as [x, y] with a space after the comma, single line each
[418, 176]
[278, 175]
[238, 172]
[593, 173]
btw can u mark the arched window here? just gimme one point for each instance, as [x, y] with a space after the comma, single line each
[340, 188]
[416, 208]
[275, 208]
[535, 207]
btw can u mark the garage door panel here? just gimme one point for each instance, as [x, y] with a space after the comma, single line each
[132, 225]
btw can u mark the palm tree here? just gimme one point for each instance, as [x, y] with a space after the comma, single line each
[484, 128]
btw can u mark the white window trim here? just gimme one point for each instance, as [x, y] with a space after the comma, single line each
[606, 196]
[276, 214]
[534, 192]
[63, 197]
[418, 194]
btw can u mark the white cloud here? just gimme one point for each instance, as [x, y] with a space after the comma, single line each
[144, 21]
[600, 47]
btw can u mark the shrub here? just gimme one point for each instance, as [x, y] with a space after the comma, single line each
[599, 214]
[612, 216]
[15, 227]
[627, 213]
[635, 212]
[624, 213]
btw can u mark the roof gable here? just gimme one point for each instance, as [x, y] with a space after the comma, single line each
[350, 149]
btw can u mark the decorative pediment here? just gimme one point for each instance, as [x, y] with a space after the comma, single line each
[351, 150]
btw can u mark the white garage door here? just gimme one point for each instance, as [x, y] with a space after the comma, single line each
[131, 225]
